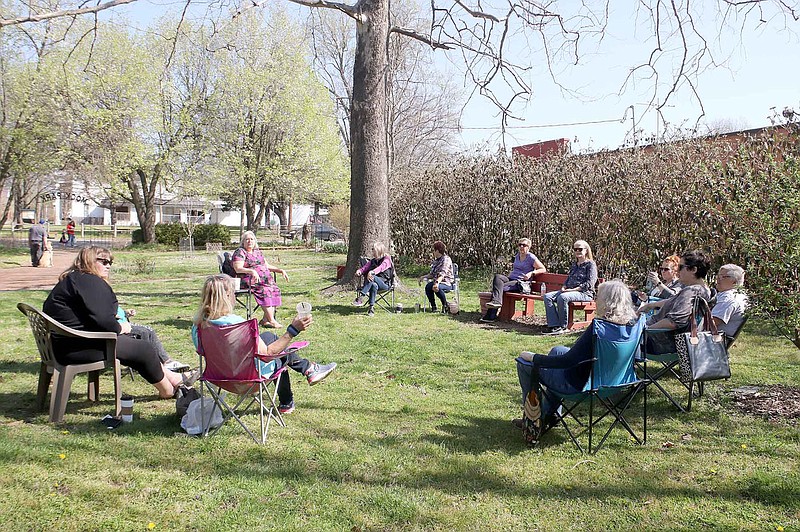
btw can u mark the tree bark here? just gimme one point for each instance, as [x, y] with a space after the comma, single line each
[369, 188]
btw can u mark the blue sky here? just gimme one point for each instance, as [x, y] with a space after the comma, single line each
[761, 70]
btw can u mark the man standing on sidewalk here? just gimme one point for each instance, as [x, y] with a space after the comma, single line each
[70, 233]
[37, 235]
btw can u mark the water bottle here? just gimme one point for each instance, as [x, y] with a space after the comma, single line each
[542, 288]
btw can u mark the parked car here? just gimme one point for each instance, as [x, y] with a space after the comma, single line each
[325, 231]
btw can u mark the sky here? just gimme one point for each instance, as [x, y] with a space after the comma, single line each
[760, 70]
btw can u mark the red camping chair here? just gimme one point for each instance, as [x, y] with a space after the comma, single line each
[228, 355]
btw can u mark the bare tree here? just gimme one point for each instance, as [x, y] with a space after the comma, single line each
[482, 35]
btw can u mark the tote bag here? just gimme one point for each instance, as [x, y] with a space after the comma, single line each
[703, 355]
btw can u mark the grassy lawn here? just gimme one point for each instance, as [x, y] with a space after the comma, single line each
[411, 432]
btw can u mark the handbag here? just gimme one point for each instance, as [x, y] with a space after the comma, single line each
[525, 287]
[703, 355]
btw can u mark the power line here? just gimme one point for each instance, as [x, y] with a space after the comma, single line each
[541, 125]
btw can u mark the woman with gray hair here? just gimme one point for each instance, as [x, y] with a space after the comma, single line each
[256, 272]
[378, 274]
[728, 312]
[562, 368]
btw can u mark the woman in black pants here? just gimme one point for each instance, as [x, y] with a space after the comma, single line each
[82, 299]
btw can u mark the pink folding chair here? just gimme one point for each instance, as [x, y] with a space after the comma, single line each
[228, 355]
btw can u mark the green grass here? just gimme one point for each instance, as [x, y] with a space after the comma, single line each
[411, 432]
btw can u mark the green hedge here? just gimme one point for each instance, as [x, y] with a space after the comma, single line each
[170, 234]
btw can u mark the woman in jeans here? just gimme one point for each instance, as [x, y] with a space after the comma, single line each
[525, 266]
[377, 274]
[440, 278]
[579, 286]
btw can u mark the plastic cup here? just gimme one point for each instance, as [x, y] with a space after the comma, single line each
[237, 283]
[303, 309]
[127, 409]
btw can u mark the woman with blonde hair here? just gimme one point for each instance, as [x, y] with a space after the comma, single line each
[82, 299]
[379, 275]
[217, 304]
[562, 369]
[256, 273]
[579, 286]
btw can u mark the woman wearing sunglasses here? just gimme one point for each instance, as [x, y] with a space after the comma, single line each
[82, 299]
[579, 286]
[674, 313]
[666, 286]
[525, 266]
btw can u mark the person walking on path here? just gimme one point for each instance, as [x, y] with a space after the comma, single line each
[70, 233]
[37, 235]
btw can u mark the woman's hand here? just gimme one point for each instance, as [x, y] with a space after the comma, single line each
[652, 277]
[285, 275]
[255, 276]
[358, 273]
[370, 275]
[301, 324]
[125, 327]
[435, 286]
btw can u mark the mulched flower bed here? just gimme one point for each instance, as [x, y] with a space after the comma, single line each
[775, 402]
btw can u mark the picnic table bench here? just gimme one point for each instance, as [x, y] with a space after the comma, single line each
[289, 235]
[552, 281]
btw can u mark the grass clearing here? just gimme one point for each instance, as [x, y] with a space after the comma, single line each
[411, 432]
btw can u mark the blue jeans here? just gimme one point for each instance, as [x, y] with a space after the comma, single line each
[372, 287]
[300, 365]
[556, 303]
[441, 294]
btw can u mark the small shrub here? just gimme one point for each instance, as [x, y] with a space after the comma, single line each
[170, 233]
[142, 266]
[211, 233]
[334, 247]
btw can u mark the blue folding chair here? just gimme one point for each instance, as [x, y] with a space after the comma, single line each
[612, 385]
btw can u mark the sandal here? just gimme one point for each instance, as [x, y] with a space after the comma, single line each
[188, 378]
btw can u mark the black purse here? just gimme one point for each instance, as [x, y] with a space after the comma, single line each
[703, 355]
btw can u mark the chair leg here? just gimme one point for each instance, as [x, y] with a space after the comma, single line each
[117, 389]
[45, 376]
[60, 394]
[93, 389]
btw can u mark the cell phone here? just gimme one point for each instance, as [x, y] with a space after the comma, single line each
[111, 422]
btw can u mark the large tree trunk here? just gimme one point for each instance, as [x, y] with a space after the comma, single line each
[369, 188]
[143, 198]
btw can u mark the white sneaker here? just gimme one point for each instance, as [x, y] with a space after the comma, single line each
[174, 365]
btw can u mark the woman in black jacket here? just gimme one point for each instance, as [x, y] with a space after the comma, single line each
[82, 299]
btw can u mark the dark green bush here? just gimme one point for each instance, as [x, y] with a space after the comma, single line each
[170, 234]
[205, 233]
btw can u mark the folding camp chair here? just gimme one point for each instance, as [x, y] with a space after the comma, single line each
[43, 328]
[455, 291]
[228, 356]
[384, 298]
[664, 365]
[612, 385]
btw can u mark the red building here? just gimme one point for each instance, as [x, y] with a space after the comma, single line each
[538, 150]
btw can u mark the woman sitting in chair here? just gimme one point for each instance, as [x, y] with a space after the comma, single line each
[440, 278]
[664, 287]
[256, 272]
[674, 313]
[561, 369]
[525, 266]
[579, 286]
[216, 308]
[82, 299]
[378, 273]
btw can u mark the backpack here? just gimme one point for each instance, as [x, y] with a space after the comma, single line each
[227, 265]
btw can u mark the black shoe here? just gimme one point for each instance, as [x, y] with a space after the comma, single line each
[433, 308]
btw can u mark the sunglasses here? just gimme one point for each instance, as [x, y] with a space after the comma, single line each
[523, 245]
[106, 262]
[577, 249]
[665, 269]
[684, 267]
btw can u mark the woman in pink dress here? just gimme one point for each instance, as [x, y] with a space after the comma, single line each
[256, 274]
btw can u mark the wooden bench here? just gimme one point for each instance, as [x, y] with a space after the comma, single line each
[552, 281]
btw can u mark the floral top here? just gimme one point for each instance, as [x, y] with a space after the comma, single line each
[582, 276]
[256, 261]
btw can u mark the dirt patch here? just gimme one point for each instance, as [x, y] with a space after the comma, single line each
[775, 402]
[30, 278]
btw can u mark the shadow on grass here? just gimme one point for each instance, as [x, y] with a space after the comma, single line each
[8, 366]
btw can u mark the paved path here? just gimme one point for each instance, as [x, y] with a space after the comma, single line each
[30, 278]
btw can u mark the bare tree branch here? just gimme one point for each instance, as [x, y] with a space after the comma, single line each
[63, 13]
[420, 37]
